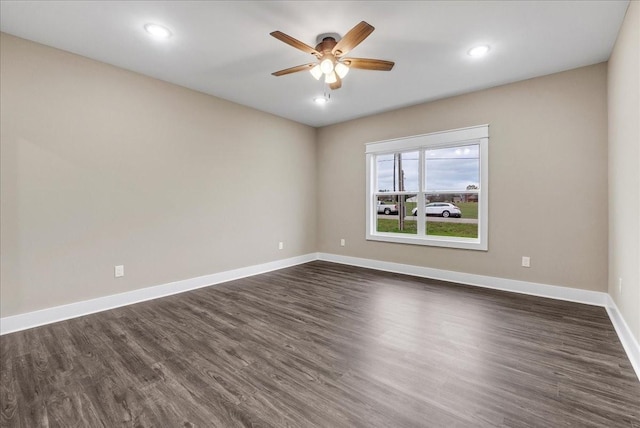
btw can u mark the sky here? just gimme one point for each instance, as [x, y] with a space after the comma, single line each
[447, 169]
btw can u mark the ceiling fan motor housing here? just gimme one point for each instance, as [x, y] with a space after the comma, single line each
[326, 46]
[334, 36]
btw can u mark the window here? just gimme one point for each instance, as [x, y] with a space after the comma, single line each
[430, 189]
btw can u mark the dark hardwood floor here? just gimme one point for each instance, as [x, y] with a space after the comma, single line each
[324, 345]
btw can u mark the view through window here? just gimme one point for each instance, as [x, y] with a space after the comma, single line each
[430, 189]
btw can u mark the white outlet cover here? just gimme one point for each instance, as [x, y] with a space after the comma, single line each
[119, 271]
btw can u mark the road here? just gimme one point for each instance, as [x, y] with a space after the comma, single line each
[433, 218]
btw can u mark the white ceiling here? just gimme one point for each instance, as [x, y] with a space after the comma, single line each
[223, 48]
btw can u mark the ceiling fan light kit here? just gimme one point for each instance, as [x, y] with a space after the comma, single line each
[330, 52]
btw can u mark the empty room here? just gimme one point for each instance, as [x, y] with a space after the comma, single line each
[320, 214]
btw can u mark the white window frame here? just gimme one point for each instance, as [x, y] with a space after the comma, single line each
[463, 136]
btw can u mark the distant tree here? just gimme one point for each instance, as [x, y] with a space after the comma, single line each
[472, 187]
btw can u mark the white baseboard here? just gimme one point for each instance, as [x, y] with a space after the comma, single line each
[629, 342]
[60, 313]
[595, 298]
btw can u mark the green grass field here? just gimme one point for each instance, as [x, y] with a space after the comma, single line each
[461, 230]
[469, 209]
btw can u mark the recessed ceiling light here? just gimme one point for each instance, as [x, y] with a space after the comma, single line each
[157, 31]
[479, 51]
[322, 99]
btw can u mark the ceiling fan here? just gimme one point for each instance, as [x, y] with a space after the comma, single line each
[330, 53]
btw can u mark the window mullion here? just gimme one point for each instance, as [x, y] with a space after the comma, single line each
[420, 199]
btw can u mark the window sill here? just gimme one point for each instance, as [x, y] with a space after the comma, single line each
[431, 241]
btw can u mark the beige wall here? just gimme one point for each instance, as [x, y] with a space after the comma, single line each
[624, 169]
[547, 177]
[101, 166]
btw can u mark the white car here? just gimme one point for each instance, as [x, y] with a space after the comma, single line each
[387, 208]
[442, 209]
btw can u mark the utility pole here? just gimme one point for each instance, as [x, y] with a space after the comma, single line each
[395, 160]
[401, 210]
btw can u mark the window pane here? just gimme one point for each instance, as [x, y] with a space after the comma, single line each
[453, 168]
[386, 177]
[388, 214]
[397, 172]
[452, 214]
[409, 162]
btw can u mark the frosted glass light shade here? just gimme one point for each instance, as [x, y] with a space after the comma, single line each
[341, 70]
[326, 66]
[330, 78]
[316, 72]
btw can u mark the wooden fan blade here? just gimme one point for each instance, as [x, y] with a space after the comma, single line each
[294, 69]
[295, 43]
[369, 64]
[337, 84]
[352, 39]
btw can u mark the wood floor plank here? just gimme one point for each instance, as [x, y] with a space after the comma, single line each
[324, 345]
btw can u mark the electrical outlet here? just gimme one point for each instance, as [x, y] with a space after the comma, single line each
[280, 245]
[526, 261]
[118, 271]
[343, 242]
[619, 285]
